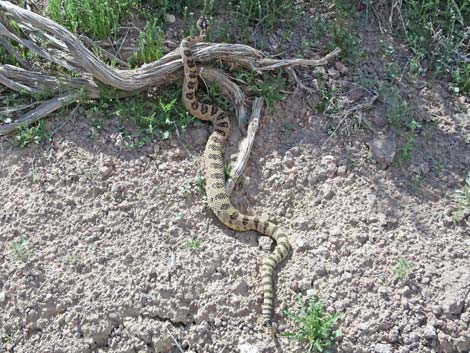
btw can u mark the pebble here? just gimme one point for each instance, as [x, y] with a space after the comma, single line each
[198, 137]
[382, 150]
[429, 332]
[342, 170]
[327, 191]
[3, 297]
[333, 73]
[247, 348]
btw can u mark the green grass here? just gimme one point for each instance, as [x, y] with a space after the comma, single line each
[98, 18]
[436, 34]
[314, 326]
[403, 268]
[151, 41]
[35, 133]
[462, 199]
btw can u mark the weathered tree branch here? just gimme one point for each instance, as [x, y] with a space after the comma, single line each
[57, 45]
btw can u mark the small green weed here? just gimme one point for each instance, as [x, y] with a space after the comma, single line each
[193, 244]
[404, 152]
[315, 327]
[402, 269]
[154, 118]
[36, 133]
[213, 95]
[269, 86]
[286, 128]
[200, 183]
[20, 250]
[89, 174]
[6, 337]
[462, 199]
[228, 171]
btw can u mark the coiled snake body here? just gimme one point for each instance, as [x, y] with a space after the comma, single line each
[217, 197]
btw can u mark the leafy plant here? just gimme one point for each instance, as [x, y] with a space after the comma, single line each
[155, 118]
[200, 183]
[315, 327]
[403, 268]
[20, 250]
[268, 85]
[33, 134]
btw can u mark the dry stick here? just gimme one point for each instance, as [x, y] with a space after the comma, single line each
[300, 83]
[174, 340]
[70, 53]
[356, 108]
[246, 145]
[40, 112]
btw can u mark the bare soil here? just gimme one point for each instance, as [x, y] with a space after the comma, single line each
[107, 268]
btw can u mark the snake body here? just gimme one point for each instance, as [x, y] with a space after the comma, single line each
[218, 199]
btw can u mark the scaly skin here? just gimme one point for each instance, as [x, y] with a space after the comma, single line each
[218, 199]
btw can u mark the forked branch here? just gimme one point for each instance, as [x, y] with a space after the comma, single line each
[55, 44]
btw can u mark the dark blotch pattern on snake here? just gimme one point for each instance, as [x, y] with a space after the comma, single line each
[218, 199]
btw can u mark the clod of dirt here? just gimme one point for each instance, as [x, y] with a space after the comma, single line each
[382, 150]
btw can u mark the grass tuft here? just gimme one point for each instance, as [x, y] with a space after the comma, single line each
[193, 244]
[403, 268]
[97, 18]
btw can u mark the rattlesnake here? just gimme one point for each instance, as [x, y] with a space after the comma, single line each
[217, 197]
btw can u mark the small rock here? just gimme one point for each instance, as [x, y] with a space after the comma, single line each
[265, 243]
[382, 150]
[327, 191]
[383, 348]
[342, 170]
[289, 160]
[310, 293]
[429, 332]
[304, 284]
[355, 94]
[170, 18]
[313, 178]
[247, 348]
[333, 73]
[378, 119]
[341, 67]
[3, 297]
[198, 137]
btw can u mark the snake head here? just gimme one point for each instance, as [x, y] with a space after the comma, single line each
[202, 25]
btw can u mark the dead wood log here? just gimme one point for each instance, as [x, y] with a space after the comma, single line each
[55, 44]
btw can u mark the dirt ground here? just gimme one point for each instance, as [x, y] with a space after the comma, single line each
[106, 266]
